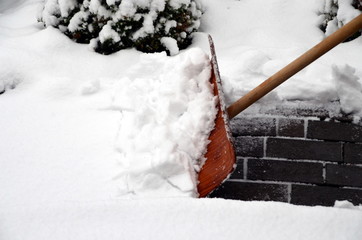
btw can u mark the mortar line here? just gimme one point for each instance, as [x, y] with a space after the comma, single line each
[305, 127]
[245, 168]
[265, 146]
[342, 151]
[324, 173]
[289, 192]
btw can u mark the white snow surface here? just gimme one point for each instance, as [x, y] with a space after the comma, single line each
[76, 126]
[180, 218]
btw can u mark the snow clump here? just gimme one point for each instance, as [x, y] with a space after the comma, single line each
[346, 204]
[348, 88]
[166, 119]
[9, 78]
[112, 25]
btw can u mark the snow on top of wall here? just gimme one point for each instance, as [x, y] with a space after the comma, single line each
[254, 39]
[349, 89]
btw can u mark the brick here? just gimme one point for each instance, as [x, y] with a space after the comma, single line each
[238, 172]
[248, 191]
[240, 160]
[249, 146]
[353, 153]
[334, 131]
[291, 127]
[344, 175]
[253, 126]
[304, 149]
[288, 171]
[323, 195]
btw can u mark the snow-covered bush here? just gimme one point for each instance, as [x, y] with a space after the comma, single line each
[337, 13]
[111, 25]
[357, 4]
[329, 13]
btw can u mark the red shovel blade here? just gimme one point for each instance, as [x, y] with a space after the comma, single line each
[220, 155]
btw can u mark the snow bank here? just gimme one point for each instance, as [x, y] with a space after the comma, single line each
[179, 219]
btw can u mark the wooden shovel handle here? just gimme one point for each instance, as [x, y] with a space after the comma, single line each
[295, 66]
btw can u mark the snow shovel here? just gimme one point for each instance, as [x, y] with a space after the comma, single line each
[220, 153]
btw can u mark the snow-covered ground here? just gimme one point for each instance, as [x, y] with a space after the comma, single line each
[179, 218]
[79, 130]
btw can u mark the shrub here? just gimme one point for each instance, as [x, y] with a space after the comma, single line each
[111, 25]
[357, 4]
[337, 13]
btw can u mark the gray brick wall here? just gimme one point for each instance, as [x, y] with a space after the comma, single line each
[300, 160]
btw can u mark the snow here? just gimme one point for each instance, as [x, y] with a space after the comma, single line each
[349, 89]
[177, 3]
[127, 8]
[76, 21]
[179, 218]
[89, 143]
[111, 2]
[269, 35]
[171, 45]
[96, 8]
[346, 204]
[158, 5]
[107, 33]
[148, 27]
[166, 118]
[66, 6]
[169, 25]
[52, 9]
